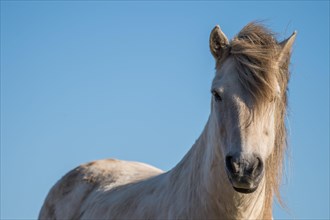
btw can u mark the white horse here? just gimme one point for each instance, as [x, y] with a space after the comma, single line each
[232, 171]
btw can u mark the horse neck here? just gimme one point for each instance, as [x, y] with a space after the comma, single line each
[201, 180]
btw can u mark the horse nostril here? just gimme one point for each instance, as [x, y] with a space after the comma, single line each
[257, 167]
[232, 165]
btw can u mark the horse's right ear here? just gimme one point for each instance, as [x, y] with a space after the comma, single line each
[218, 42]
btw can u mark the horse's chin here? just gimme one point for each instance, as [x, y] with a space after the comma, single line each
[245, 191]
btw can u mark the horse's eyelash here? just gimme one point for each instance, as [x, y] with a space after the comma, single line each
[216, 95]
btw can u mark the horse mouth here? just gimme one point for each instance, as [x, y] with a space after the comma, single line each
[245, 191]
[244, 184]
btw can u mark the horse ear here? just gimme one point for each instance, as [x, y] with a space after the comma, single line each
[218, 42]
[286, 47]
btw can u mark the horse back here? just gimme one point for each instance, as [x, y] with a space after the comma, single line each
[67, 197]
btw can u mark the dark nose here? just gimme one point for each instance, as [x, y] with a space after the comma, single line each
[244, 170]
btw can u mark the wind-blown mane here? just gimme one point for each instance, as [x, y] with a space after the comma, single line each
[254, 50]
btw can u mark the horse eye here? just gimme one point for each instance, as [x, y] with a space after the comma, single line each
[216, 96]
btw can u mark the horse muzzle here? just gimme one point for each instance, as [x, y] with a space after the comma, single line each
[245, 171]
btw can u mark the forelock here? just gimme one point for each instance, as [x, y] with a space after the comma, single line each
[254, 50]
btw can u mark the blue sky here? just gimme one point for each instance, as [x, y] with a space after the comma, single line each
[82, 81]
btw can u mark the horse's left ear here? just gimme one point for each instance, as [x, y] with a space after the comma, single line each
[218, 42]
[285, 48]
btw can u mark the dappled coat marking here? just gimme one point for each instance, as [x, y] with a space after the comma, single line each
[232, 171]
